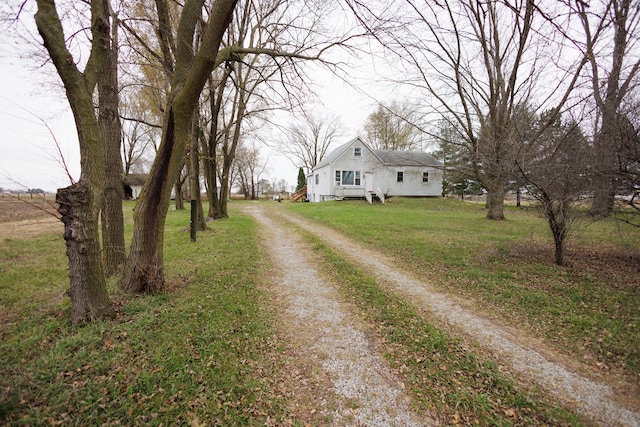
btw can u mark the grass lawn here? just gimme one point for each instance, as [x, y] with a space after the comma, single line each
[203, 353]
[206, 352]
[589, 309]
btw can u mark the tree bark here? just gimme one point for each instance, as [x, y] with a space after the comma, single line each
[144, 270]
[114, 255]
[89, 300]
[557, 214]
[495, 202]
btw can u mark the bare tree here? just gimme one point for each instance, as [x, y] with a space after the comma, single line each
[190, 71]
[263, 76]
[307, 142]
[392, 127]
[249, 168]
[475, 62]
[553, 169]
[80, 203]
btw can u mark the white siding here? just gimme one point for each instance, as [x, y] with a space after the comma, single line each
[412, 184]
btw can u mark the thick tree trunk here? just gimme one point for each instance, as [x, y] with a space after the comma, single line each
[114, 255]
[144, 270]
[557, 223]
[495, 202]
[604, 168]
[559, 250]
[89, 298]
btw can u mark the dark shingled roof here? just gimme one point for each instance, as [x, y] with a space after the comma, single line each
[406, 158]
[136, 179]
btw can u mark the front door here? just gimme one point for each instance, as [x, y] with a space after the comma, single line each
[367, 177]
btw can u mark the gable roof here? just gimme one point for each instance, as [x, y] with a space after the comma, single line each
[407, 158]
[332, 156]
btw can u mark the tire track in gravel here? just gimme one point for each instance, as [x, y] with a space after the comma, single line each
[592, 399]
[368, 392]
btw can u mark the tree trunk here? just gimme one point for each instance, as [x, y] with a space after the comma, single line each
[144, 269]
[179, 200]
[559, 250]
[80, 203]
[495, 202]
[221, 209]
[194, 174]
[114, 255]
[604, 168]
[557, 218]
[89, 298]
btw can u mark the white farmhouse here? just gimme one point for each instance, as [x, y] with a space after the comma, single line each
[355, 170]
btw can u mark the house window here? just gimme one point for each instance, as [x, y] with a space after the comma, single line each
[317, 179]
[400, 177]
[357, 151]
[348, 178]
[425, 176]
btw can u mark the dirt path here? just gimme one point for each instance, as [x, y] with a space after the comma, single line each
[358, 373]
[366, 391]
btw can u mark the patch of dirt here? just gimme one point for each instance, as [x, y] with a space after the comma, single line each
[14, 209]
[27, 218]
[603, 261]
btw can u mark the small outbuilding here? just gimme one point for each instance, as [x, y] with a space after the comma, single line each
[355, 170]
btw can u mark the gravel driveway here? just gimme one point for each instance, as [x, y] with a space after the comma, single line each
[360, 377]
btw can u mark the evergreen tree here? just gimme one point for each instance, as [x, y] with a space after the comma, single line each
[302, 179]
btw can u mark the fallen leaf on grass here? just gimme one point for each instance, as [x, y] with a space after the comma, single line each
[509, 412]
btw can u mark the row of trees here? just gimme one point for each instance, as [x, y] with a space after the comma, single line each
[477, 67]
[205, 75]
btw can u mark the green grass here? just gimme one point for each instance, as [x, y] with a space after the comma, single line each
[206, 351]
[445, 374]
[588, 309]
[203, 352]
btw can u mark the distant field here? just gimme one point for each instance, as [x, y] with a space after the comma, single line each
[19, 207]
[588, 309]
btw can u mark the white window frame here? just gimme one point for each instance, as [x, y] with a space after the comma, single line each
[425, 176]
[317, 178]
[357, 151]
[400, 176]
